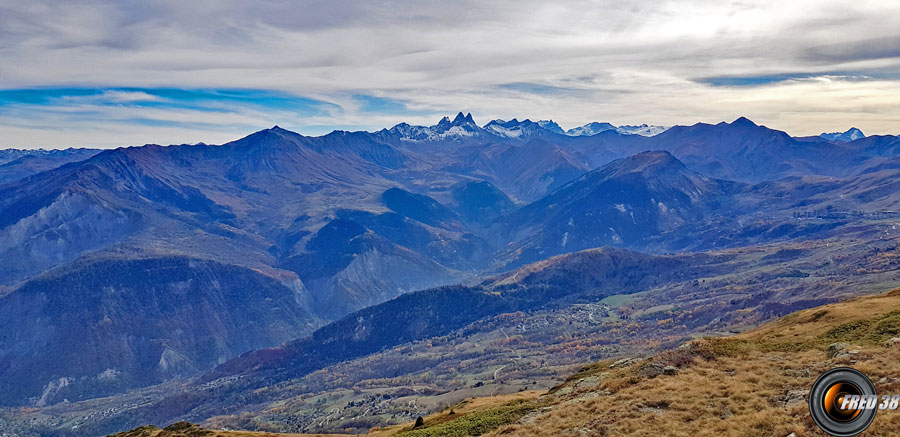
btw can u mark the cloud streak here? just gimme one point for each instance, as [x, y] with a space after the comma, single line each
[802, 66]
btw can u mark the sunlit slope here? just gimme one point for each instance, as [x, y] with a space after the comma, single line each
[750, 384]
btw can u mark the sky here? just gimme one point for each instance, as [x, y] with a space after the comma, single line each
[86, 73]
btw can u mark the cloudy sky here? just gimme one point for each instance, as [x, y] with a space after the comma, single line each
[112, 73]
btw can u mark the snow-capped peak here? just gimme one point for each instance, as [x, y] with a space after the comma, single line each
[515, 128]
[551, 126]
[595, 128]
[589, 129]
[851, 134]
[463, 125]
[460, 126]
[462, 120]
[641, 129]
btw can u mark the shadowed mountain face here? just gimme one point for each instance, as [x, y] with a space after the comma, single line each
[420, 208]
[527, 171]
[624, 204]
[744, 151]
[348, 220]
[96, 328]
[480, 201]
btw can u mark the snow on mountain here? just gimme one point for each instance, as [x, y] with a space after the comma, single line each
[595, 128]
[460, 126]
[551, 126]
[463, 125]
[641, 129]
[518, 129]
[851, 134]
[508, 129]
[409, 132]
[589, 129]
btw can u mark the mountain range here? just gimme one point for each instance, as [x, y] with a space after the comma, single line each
[139, 266]
[16, 164]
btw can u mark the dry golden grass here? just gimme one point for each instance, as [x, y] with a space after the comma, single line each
[462, 409]
[731, 387]
[184, 429]
[817, 321]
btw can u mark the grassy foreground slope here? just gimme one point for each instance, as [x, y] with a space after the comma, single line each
[752, 384]
[185, 429]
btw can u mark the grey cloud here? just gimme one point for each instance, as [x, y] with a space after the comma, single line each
[866, 49]
[622, 61]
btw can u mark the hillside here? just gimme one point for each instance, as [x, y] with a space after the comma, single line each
[104, 327]
[753, 383]
[624, 203]
[185, 429]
